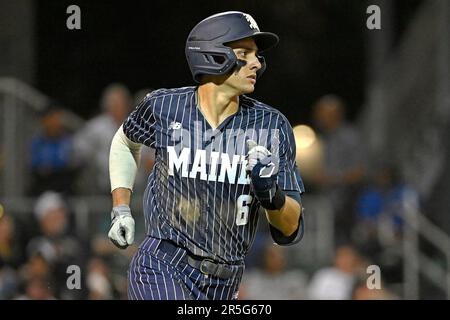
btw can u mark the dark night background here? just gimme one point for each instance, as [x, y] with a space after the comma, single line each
[141, 43]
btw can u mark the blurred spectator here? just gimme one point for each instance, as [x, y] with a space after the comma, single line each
[117, 261]
[37, 289]
[362, 292]
[380, 208]
[37, 266]
[336, 282]
[36, 276]
[380, 211]
[93, 141]
[8, 281]
[99, 281]
[55, 244]
[102, 247]
[343, 164]
[10, 250]
[53, 165]
[273, 281]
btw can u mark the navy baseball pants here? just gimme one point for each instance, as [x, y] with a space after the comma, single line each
[158, 272]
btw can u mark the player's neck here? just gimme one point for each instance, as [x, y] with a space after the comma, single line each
[216, 104]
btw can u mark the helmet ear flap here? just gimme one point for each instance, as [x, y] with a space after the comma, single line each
[210, 62]
[263, 66]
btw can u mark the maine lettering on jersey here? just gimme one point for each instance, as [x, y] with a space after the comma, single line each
[208, 166]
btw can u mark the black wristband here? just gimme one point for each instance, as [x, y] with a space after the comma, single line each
[276, 202]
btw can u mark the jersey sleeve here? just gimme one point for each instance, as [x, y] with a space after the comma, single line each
[277, 235]
[140, 126]
[288, 177]
[290, 181]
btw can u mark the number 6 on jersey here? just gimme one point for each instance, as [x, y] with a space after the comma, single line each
[243, 207]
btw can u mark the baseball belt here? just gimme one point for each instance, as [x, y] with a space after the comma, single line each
[205, 265]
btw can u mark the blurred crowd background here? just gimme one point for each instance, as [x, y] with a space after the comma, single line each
[369, 108]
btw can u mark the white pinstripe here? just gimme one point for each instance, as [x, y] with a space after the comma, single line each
[174, 197]
[143, 118]
[215, 291]
[242, 152]
[196, 203]
[151, 201]
[229, 194]
[184, 296]
[149, 123]
[251, 221]
[188, 193]
[164, 281]
[207, 198]
[250, 236]
[140, 279]
[232, 287]
[181, 180]
[160, 116]
[167, 143]
[148, 276]
[156, 281]
[215, 189]
[253, 202]
[199, 294]
[210, 279]
[182, 285]
[134, 282]
[137, 110]
[223, 289]
[194, 283]
[243, 169]
[173, 285]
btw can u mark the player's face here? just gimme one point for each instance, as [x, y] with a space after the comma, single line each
[244, 78]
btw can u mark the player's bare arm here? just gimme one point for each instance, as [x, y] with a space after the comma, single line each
[286, 219]
[121, 196]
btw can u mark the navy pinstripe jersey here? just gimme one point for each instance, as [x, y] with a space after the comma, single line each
[198, 193]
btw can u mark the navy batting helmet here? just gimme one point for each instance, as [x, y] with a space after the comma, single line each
[206, 47]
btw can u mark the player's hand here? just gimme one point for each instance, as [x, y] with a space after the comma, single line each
[122, 226]
[263, 169]
[264, 177]
[255, 154]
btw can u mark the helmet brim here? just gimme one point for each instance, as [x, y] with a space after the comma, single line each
[265, 40]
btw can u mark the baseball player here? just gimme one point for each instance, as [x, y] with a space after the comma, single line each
[223, 160]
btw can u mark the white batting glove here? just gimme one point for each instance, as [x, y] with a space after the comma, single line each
[255, 154]
[122, 226]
